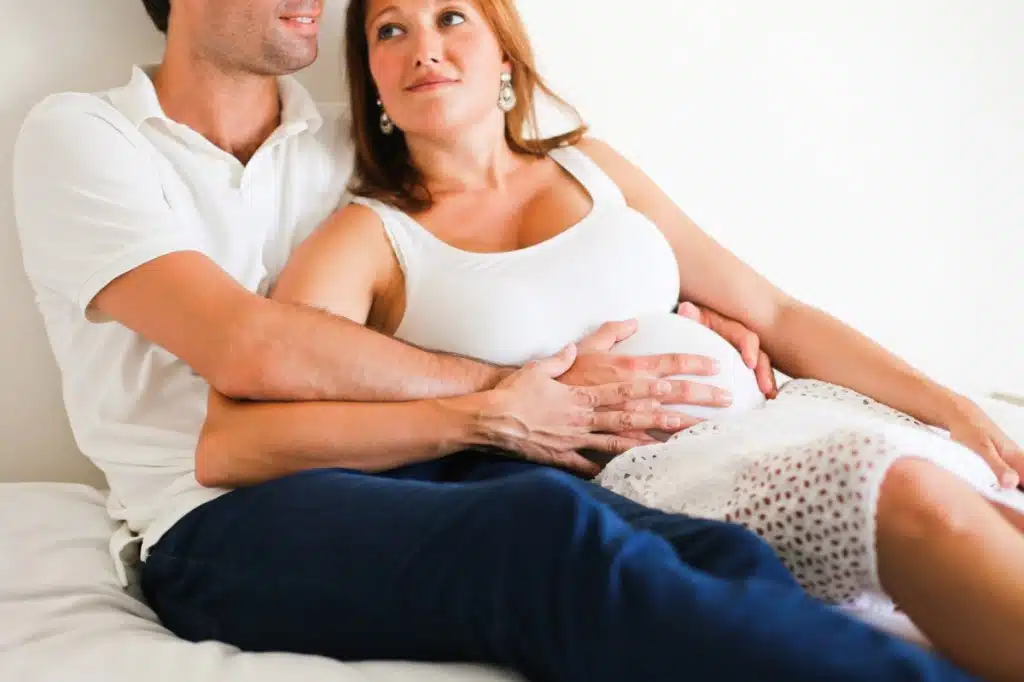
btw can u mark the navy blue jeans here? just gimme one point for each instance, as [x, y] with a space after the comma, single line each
[478, 558]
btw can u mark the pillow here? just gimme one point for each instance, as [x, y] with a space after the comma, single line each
[64, 616]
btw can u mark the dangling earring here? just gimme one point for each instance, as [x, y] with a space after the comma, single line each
[507, 94]
[387, 126]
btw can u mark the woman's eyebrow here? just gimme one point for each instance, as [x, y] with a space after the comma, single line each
[370, 20]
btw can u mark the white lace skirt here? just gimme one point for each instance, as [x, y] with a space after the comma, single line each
[803, 472]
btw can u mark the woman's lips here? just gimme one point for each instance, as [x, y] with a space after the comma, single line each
[432, 85]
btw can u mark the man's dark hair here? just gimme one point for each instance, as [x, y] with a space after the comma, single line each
[159, 11]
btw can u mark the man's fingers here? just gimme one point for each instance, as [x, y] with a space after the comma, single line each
[607, 395]
[665, 391]
[642, 405]
[640, 437]
[625, 421]
[556, 365]
[576, 463]
[670, 364]
[696, 393]
[611, 444]
[606, 336]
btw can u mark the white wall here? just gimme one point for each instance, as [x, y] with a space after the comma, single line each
[867, 156]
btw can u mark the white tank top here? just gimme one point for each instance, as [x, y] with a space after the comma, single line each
[511, 307]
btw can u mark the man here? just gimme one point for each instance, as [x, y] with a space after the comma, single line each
[154, 218]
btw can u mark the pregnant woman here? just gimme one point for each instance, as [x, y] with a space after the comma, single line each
[469, 234]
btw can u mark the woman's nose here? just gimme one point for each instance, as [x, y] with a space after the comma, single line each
[428, 48]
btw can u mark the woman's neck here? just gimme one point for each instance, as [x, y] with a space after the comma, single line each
[473, 160]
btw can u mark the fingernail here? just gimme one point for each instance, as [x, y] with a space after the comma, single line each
[663, 388]
[673, 422]
[716, 366]
[1010, 480]
[723, 396]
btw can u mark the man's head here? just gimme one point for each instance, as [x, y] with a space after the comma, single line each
[268, 37]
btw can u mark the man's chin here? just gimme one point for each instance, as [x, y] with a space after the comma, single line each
[284, 62]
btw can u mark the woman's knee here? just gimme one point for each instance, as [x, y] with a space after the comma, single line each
[919, 499]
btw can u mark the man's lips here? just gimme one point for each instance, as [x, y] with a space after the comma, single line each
[302, 22]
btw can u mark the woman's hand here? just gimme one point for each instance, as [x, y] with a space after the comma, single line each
[546, 421]
[742, 339]
[971, 427]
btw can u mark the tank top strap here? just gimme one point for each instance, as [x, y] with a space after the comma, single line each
[602, 189]
[407, 242]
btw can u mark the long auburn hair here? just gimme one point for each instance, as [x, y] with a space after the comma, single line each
[383, 167]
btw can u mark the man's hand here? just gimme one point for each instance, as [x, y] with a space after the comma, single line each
[596, 364]
[741, 338]
[546, 421]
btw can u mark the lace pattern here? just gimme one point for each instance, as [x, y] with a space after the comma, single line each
[803, 472]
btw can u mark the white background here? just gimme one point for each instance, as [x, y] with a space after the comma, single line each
[867, 156]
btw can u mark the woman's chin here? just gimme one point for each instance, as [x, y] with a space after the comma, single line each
[437, 120]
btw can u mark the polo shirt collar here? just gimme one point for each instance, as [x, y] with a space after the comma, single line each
[139, 102]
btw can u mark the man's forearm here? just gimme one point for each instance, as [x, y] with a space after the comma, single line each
[246, 443]
[295, 352]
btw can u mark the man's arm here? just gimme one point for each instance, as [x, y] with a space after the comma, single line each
[247, 346]
[96, 230]
[530, 413]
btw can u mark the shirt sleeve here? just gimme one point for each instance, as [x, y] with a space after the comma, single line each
[89, 205]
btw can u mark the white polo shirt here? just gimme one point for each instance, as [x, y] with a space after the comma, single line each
[104, 182]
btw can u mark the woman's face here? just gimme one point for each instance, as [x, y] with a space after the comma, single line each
[436, 64]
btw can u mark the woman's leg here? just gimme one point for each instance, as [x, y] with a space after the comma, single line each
[953, 562]
[527, 571]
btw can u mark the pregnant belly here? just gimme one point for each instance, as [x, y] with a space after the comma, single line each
[671, 333]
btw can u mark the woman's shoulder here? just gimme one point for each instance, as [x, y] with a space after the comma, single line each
[596, 148]
[352, 222]
[626, 175]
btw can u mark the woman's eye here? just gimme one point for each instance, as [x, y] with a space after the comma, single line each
[388, 31]
[452, 19]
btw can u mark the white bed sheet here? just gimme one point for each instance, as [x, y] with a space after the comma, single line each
[64, 616]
